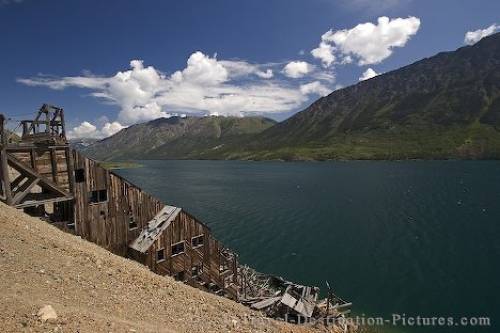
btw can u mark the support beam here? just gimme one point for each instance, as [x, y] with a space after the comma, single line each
[70, 167]
[15, 183]
[53, 162]
[4, 166]
[33, 159]
[24, 190]
[44, 182]
[42, 202]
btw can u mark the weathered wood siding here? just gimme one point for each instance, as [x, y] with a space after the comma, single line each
[208, 258]
[106, 223]
[50, 162]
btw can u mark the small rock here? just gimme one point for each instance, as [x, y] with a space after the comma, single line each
[47, 313]
[235, 323]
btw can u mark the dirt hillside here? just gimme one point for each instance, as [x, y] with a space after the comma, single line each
[92, 290]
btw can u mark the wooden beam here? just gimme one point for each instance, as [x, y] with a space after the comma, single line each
[44, 181]
[4, 166]
[53, 164]
[43, 202]
[15, 183]
[70, 167]
[24, 190]
[33, 158]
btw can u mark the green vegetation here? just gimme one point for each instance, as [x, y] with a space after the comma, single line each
[119, 165]
[175, 137]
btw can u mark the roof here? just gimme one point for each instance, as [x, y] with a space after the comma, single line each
[154, 229]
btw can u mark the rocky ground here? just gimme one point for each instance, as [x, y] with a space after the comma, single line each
[51, 281]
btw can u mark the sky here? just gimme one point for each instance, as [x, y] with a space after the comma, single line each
[114, 63]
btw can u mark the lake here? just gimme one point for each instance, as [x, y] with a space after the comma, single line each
[409, 237]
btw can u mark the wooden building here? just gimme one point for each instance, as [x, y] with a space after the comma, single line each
[176, 243]
[41, 174]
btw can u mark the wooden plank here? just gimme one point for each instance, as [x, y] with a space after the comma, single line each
[53, 164]
[33, 159]
[24, 190]
[15, 183]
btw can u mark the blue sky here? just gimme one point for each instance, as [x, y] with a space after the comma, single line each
[212, 57]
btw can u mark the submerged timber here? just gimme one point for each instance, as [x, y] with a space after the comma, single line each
[42, 175]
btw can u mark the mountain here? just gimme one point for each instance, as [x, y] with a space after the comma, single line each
[82, 143]
[446, 106]
[177, 137]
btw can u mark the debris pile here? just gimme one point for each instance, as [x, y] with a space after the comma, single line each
[289, 301]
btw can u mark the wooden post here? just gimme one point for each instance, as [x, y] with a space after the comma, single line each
[63, 125]
[328, 302]
[33, 159]
[53, 163]
[4, 166]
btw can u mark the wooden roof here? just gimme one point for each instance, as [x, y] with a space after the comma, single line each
[154, 229]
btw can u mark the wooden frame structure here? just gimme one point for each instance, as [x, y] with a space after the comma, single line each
[44, 176]
[37, 171]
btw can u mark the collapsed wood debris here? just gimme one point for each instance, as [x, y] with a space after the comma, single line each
[279, 298]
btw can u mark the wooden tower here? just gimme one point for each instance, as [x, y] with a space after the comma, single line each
[36, 170]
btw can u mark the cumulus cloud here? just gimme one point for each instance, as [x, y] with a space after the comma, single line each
[368, 74]
[472, 37]
[315, 88]
[111, 128]
[324, 52]
[367, 42]
[296, 69]
[88, 130]
[206, 85]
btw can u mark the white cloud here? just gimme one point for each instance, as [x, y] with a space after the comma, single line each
[202, 69]
[296, 69]
[368, 74]
[111, 128]
[242, 68]
[324, 52]
[316, 88]
[90, 131]
[206, 85]
[84, 130]
[472, 37]
[367, 42]
[265, 75]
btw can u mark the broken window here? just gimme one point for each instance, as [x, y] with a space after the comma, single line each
[178, 248]
[160, 255]
[79, 175]
[197, 241]
[196, 270]
[98, 196]
[132, 223]
[180, 276]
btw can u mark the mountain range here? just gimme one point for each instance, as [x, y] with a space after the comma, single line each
[178, 138]
[442, 107]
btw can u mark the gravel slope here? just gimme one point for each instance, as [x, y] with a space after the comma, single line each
[93, 290]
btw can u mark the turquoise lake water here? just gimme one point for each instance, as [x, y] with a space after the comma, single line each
[413, 237]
